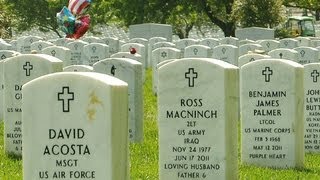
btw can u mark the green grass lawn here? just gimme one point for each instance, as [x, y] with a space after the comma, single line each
[144, 156]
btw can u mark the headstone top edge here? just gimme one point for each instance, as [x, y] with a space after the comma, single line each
[273, 60]
[110, 80]
[217, 62]
[131, 61]
[36, 56]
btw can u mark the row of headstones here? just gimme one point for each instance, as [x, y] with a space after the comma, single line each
[80, 129]
[198, 113]
[145, 47]
[230, 54]
[84, 52]
[97, 51]
[18, 70]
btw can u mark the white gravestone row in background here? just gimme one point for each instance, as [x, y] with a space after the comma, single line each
[245, 41]
[254, 33]
[113, 44]
[159, 55]
[77, 56]
[136, 57]
[158, 45]
[284, 53]
[269, 45]
[92, 39]
[80, 132]
[183, 43]
[271, 98]
[24, 43]
[60, 52]
[149, 30]
[307, 55]
[153, 41]
[289, 43]
[230, 41]
[198, 51]
[4, 54]
[303, 41]
[211, 42]
[315, 43]
[244, 59]
[5, 46]
[197, 107]
[140, 49]
[95, 52]
[78, 68]
[14, 45]
[244, 49]
[18, 71]
[145, 42]
[62, 41]
[226, 53]
[39, 45]
[312, 107]
[129, 71]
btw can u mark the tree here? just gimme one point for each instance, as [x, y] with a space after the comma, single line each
[6, 21]
[35, 13]
[260, 13]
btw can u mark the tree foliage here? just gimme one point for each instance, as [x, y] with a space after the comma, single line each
[260, 13]
[7, 20]
[183, 15]
[36, 13]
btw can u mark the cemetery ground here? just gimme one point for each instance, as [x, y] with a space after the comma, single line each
[144, 156]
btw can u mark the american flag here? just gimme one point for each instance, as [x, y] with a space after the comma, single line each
[77, 6]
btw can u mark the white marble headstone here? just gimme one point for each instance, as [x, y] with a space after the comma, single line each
[245, 48]
[244, 59]
[303, 41]
[113, 44]
[227, 53]
[129, 71]
[24, 43]
[284, 53]
[159, 55]
[149, 30]
[77, 55]
[230, 41]
[75, 127]
[95, 52]
[140, 49]
[40, 45]
[60, 52]
[307, 55]
[254, 33]
[4, 54]
[269, 45]
[289, 43]
[5, 46]
[271, 97]
[62, 41]
[153, 41]
[92, 39]
[311, 107]
[78, 68]
[198, 51]
[197, 117]
[211, 42]
[136, 57]
[183, 43]
[19, 70]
